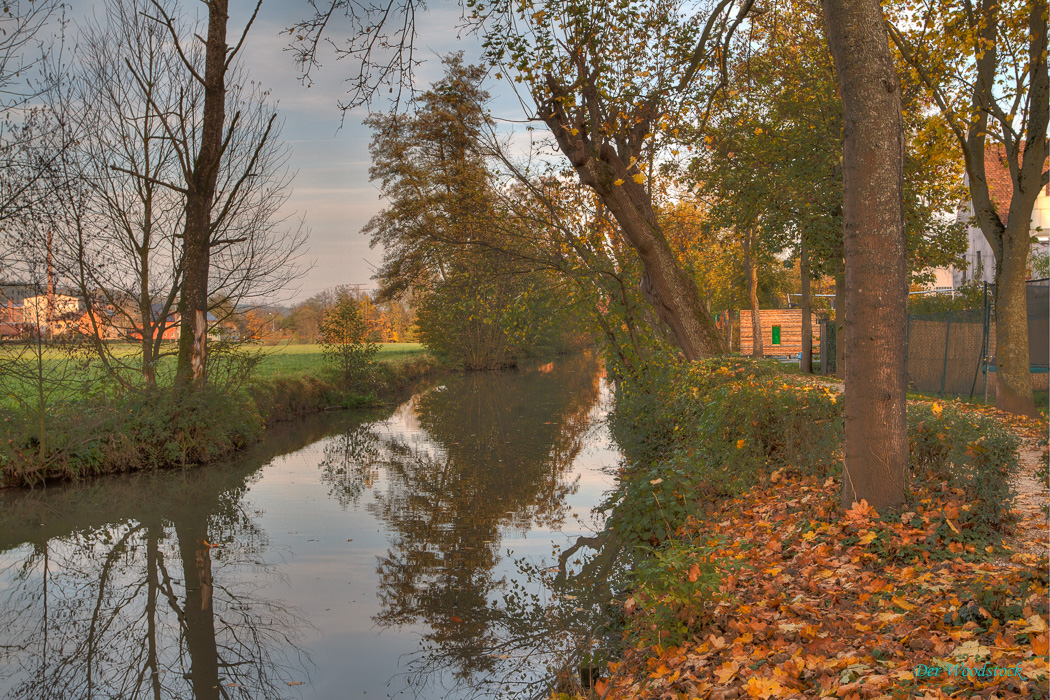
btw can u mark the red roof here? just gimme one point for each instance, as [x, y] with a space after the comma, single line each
[997, 172]
[1000, 184]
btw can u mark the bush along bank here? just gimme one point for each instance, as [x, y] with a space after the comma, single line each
[138, 430]
[748, 579]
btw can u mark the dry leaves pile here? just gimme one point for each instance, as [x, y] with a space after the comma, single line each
[823, 604]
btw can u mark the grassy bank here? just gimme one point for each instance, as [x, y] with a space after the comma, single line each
[99, 429]
[749, 580]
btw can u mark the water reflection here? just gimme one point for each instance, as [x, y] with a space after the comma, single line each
[133, 588]
[503, 465]
[179, 585]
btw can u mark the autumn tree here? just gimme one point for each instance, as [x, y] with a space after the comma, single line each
[433, 175]
[611, 82]
[445, 232]
[985, 66]
[772, 153]
[876, 446]
[345, 339]
[605, 79]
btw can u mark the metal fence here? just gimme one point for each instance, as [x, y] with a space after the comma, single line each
[953, 353]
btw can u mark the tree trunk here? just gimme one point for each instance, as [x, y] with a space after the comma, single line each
[148, 329]
[876, 445]
[196, 257]
[757, 349]
[840, 324]
[666, 286]
[198, 609]
[806, 362]
[1011, 242]
[1013, 378]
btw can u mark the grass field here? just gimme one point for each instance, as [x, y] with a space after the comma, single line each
[66, 379]
[296, 360]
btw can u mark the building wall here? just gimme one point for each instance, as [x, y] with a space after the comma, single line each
[979, 252]
[790, 322]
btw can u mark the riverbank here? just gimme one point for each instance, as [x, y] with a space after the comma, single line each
[136, 430]
[750, 580]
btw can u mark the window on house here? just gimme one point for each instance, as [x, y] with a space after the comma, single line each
[776, 335]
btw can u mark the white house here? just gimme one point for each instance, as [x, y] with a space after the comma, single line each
[979, 256]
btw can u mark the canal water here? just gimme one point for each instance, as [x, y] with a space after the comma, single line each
[391, 553]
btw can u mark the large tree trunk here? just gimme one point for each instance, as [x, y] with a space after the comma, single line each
[806, 362]
[196, 257]
[1013, 378]
[876, 445]
[757, 349]
[666, 286]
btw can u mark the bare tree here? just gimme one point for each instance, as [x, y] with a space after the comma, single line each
[133, 181]
[119, 220]
[201, 150]
[22, 52]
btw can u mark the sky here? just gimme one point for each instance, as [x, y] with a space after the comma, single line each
[330, 154]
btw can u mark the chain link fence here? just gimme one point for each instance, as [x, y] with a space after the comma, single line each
[952, 353]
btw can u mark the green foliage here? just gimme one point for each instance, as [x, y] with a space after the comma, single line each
[671, 587]
[714, 429]
[1040, 264]
[969, 452]
[968, 296]
[345, 341]
[709, 430]
[138, 430]
[485, 321]
[108, 431]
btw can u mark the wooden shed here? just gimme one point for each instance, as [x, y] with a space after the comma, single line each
[781, 332]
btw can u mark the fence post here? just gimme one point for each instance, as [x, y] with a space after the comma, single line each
[907, 345]
[947, 336]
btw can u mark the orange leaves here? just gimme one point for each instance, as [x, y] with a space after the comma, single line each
[1041, 645]
[759, 688]
[860, 512]
[694, 573]
[726, 672]
[901, 603]
[825, 603]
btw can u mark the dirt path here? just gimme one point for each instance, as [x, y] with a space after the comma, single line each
[1032, 532]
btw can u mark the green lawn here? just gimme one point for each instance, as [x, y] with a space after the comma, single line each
[294, 360]
[67, 379]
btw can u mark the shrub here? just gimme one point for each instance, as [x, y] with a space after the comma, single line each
[709, 430]
[346, 343]
[970, 452]
[672, 585]
[138, 430]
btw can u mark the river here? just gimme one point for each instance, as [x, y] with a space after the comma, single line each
[386, 553]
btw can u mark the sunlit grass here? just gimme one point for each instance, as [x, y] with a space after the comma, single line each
[295, 360]
[75, 372]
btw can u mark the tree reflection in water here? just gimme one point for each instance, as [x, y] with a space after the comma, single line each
[156, 585]
[130, 590]
[495, 454]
